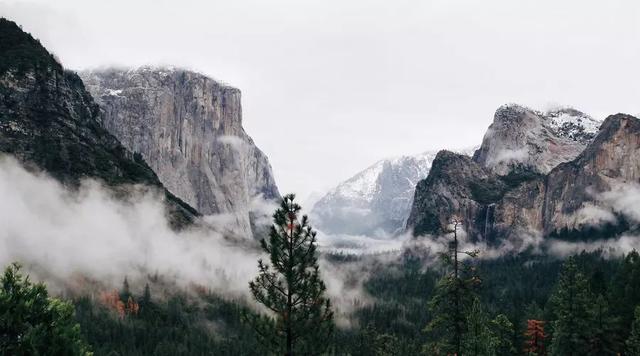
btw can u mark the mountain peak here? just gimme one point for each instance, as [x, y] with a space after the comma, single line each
[523, 138]
[511, 111]
[620, 120]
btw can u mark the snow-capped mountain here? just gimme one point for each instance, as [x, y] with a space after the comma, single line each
[524, 138]
[375, 201]
[534, 175]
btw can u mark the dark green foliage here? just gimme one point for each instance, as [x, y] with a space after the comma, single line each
[177, 325]
[478, 339]
[487, 191]
[32, 323]
[491, 190]
[503, 335]
[570, 304]
[625, 292]
[633, 342]
[516, 286]
[517, 176]
[604, 337]
[291, 288]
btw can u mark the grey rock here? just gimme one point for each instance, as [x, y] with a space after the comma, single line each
[188, 127]
[495, 207]
[613, 158]
[49, 122]
[521, 138]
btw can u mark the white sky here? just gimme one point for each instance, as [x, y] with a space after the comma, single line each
[329, 87]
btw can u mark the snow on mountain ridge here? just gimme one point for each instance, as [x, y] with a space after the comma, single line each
[573, 124]
[523, 138]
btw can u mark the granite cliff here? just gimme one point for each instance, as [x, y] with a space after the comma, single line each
[49, 122]
[188, 127]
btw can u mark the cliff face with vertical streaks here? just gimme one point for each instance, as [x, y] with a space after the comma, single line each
[188, 127]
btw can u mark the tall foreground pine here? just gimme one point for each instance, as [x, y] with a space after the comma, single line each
[452, 299]
[291, 288]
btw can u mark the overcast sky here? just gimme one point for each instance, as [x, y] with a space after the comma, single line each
[330, 87]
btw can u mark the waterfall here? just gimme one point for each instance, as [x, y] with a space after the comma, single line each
[487, 229]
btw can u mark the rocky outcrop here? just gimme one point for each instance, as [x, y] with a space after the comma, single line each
[525, 139]
[188, 127]
[494, 207]
[50, 122]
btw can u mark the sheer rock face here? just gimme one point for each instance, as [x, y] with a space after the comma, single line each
[611, 160]
[188, 127]
[521, 138]
[49, 122]
[525, 200]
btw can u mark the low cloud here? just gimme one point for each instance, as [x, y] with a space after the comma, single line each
[609, 248]
[624, 198]
[87, 232]
[359, 244]
[234, 141]
[64, 236]
[508, 155]
[593, 215]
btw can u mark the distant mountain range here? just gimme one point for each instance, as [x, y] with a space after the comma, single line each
[546, 174]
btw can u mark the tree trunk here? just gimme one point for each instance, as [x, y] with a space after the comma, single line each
[458, 335]
[289, 330]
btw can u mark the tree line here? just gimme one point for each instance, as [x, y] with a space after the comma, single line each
[512, 305]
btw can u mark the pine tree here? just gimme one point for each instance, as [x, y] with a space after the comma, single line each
[633, 342]
[570, 303]
[625, 291]
[604, 339]
[533, 311]
[125, 292]
[502, 330]
[291, 288]
[32, 323]
[453, 297]
[385, 345]
[146, 296]
[478, 340]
